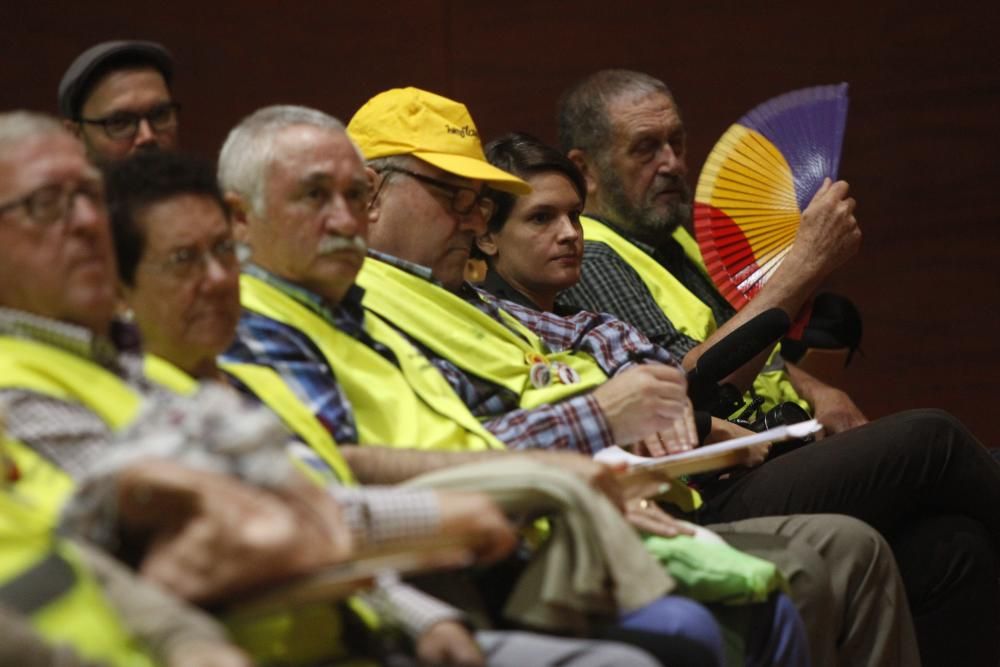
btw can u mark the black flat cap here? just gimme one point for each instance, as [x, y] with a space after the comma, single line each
[101, 58]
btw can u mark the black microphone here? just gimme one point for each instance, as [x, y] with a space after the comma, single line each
[732, 352]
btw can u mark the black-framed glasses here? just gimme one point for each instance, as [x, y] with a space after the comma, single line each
[463, 199]
[49, 204]
[125, 124]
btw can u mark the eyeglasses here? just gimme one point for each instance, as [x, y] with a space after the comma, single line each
[186, 263]
[125, 125]
[463, 199]
[49, 204]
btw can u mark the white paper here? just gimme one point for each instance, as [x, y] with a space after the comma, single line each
[800, 430]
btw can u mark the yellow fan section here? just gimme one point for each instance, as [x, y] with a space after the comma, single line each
[749, 180]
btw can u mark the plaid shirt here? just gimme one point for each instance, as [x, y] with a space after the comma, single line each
[609, 284]
[576, 423]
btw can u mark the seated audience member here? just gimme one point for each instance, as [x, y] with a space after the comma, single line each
[316, 192]
[63, 602]
[69, 388]
[116, 98]
[180, 279]
[625, 133]
[529, 230]
[878, 473]
[299, 198]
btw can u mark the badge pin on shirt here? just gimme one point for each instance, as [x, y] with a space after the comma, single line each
[567, 374]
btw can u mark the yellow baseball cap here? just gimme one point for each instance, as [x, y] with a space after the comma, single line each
[410, 121]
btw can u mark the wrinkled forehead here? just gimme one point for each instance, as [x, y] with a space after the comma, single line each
[42, 159]
[647, 111]
[302, 151]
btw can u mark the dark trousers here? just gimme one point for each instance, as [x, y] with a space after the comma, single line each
[932, 490]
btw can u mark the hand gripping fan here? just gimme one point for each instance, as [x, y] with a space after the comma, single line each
[759, 178]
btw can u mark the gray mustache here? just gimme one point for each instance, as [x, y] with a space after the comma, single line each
[330, 244]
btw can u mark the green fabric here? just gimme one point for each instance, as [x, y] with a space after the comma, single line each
[710, 572]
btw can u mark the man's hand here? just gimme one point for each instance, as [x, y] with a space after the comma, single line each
[449, 643]
[829, 234]
[211, 536]
[474, 519]
[204, 653]
[836, 411]
[832, 408]
[723, 430]
[647, 516]
[645, 400]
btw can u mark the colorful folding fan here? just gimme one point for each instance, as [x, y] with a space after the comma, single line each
[757, 181]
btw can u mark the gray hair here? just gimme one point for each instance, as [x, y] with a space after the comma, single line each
[17, 126]
[249, 148]
[583, 110]
[403, 161]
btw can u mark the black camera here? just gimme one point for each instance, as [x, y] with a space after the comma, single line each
[780, 415]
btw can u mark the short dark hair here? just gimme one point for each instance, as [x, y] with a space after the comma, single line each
[524, 156]
[583, 109]
[145, 179]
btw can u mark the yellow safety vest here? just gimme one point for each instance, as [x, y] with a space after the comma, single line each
[168, 376]
[684, 310]
[481, 346]
[503, 354]
[410, 405]
[45, 579]
[287, 638]
[268, 386]
[51, 371]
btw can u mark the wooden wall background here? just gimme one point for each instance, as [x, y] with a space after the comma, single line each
[921, 147]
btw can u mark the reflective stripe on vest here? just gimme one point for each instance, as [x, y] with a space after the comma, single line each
[502, 354]
[684, 310]
[43, 582]
[46, 580]
[410, 405]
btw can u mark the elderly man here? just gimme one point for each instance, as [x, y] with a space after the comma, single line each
[116, 98]
[68, 386]
[302, 208]
[395, 134]
[624, 131]
[299, 195]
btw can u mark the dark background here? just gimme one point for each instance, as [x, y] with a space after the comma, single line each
[920, 150]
